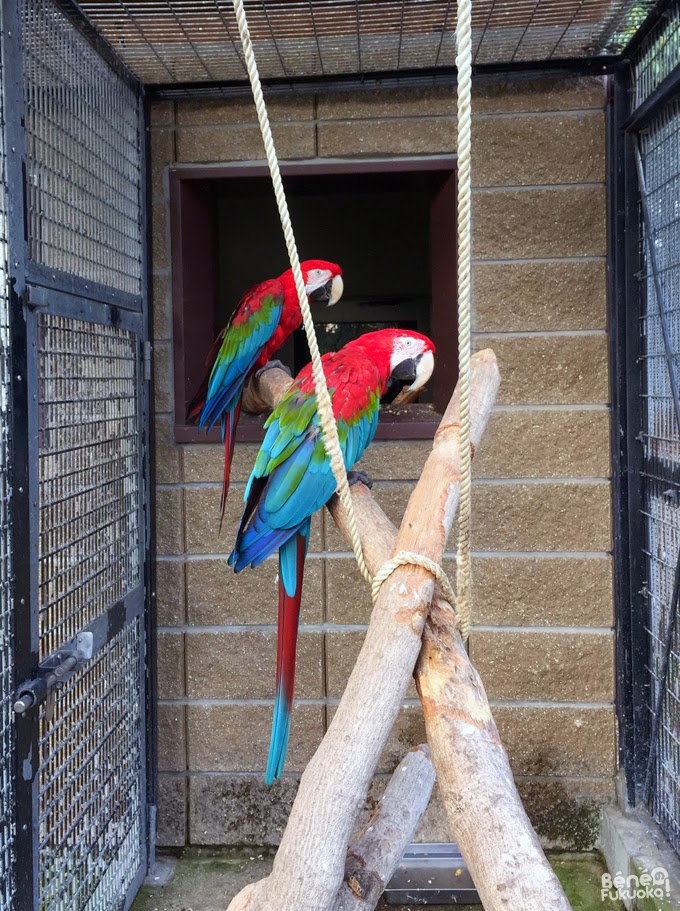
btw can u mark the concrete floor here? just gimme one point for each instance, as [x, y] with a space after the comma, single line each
[208, 880]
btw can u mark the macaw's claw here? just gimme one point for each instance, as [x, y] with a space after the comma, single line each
[360, 477]
[270, 365]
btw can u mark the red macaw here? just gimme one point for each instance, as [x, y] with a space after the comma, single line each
[292, 477]
[261, 323]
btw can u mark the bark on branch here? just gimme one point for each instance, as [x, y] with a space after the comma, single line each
[485, 813]
[375, 851]
[486, 817]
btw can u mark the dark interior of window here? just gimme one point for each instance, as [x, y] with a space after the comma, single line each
[390, 226]
[376, 226]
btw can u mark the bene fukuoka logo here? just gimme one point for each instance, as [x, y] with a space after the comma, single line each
[654, 885]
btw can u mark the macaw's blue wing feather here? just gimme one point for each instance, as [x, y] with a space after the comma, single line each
[231, 361]
[257, 542]
[297, 476]
[291, 567]
[252, 327]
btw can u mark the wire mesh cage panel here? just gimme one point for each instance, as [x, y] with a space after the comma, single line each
[166, 41]
[74, 706]
[91, 838]
[7, 884]
[89, 473]
[83, 156]
[659, 55]
[661, 473]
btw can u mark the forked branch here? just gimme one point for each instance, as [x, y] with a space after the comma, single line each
[309, 866]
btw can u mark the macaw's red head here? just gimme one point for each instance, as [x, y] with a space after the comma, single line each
[323, 281]
[405, 359]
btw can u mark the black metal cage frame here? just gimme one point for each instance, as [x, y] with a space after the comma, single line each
[103, 692]
[646, 635]
[40, 292]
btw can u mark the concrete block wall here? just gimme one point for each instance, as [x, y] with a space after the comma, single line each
[543, 596]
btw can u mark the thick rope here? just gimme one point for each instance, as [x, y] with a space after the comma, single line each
[329, 428]
[464, 71]
[406, 558]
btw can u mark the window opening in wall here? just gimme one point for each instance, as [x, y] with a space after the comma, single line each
[392, 230]
[374, 225]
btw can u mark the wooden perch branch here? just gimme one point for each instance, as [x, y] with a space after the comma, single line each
[503, 854]
[374, 852]
[266, 388]
[486, 817]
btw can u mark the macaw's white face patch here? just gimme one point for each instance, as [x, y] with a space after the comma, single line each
[411, 362]
[318, 279]
[406, 346]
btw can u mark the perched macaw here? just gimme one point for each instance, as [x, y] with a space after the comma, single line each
[261, 323]
[292, 477]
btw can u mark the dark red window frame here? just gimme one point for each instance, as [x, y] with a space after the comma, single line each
[193, 228]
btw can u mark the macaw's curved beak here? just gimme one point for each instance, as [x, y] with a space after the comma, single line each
[329, 293]
[424, 368]
[411, 374]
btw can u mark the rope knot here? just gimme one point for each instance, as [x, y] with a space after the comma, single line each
[409, 558]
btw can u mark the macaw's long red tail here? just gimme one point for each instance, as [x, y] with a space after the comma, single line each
[229, 423]
[291, 566]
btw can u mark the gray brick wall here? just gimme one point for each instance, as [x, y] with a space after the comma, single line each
[543, 603]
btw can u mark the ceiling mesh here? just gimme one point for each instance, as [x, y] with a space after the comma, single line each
[177, 41]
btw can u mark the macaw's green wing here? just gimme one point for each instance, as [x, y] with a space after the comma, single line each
[250, 329]
[304, 482]
[292, 477]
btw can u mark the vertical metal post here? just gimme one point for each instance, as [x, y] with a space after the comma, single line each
[24, 441]
[632, 646]
[148, 539]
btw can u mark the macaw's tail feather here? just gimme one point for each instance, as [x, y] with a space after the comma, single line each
[256, 539]
[197, 404]
[229, 423]
[291, 567]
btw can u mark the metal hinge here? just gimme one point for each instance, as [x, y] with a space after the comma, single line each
[147, 349]
[35, 298]
[53, 672]
[152, 815]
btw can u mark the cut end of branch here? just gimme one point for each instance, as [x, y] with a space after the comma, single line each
[485, 356]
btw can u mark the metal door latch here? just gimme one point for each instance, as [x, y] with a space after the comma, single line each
[53, 672]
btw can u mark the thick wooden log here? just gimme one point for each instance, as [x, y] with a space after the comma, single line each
[486, 817]
[309, 865]
[375, 851]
